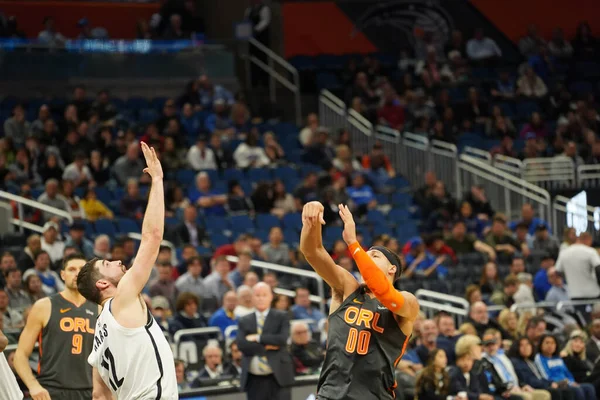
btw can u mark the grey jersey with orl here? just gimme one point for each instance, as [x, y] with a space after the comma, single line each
[65, 343]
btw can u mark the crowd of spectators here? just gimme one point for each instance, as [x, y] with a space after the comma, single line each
[544, 107]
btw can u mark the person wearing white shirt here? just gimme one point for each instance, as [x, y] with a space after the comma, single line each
[49, 36]
[51, 243]
[244, 306]
[213, 363]
[249, 154]
[580, 264]
[200, 156]
[77, 172]
[481, 48]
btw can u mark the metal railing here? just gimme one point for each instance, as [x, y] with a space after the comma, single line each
[575, 213]
[588, 176]
[432, 302]
[444, 163]
[275, 61]
[23, 201]
[550, 173]
[320, 299]
[415, 159]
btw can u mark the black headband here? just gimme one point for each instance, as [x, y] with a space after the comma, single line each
[391, 257]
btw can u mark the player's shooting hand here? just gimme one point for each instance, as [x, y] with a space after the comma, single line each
[349, 233]
[154, 169]
[39, 393]
[312, 214]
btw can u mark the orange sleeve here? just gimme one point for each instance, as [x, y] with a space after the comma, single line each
[376, 280]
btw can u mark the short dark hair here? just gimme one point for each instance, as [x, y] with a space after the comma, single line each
[70, 257]
[10, 271]
[191, 260]
[86, 281]
[184, 298]
[534, 322]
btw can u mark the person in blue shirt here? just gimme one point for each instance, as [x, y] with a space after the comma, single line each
[209, 92]
[421, 262]
[203, 196]
[224, 317]
[541, 284]
[553, 368]
[219, 120]
[302, 308]
[361, 194]
[528, 218]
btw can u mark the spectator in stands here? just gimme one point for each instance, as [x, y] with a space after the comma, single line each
[307, 191]
[509, 288]
[439, 200]
[509, 322]
[524, 293]
[163, 284]
[219, 122]
[308, 133]
[191, 281]
[535, 329]
[17, 128]
[306, 352]
[569, 238]
[203, 196]
[545, 242]
[270, 278]
[528, 217]
[490, 281]
[213, 364]
[51, 282]
[302, 308]
[249, 154]
[464, 378]
[234, 368]
[482, 48]
[225, 317]
[420, 262]
[475, 226]
[187, 316]
[209, 92]
[558, 290]
[132, 205]
[18, 299]
[174, 31]
[68, 191]
[52, 198]
[180, 373]
[429, 336]
[575, 357]
[391, 112]
[319, 152]
[345, 161]
[529, 45]
[241, 245]
[553, 368]
[461, 243]
[276, 251]
[161, 311]
[100, 174]
[189, 231]
[12, 319]
[27, 258]
[93, 208]
[536, 125]
[51, 169]
[218, 283]
[479, 318]
[77, 171]
[283, 202]
[200, 156]
[585, 46]
[479, 202]
[245, 305]
[592, 347]
[103, 106]
[242, 267]
[361, 194]
[522, 235]
[129, 165]
[51, 242]
[531, 85]
[33, 286]
[580, 263]
[505, 369]
[7, 262]
[49, 36]
[23, 170]
[558, 46]
[447, 335]
[541, 282]
[501, 241]
[176, 201]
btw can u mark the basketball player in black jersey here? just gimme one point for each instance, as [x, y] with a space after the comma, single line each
[63, 326]
[369, 324]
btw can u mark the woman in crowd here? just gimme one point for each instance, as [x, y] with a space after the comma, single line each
[490, 282]
[509, 322]
[521, 355]
[574, 356]
[434, 382]
[33, 286]
[93, 208]
[553, 368]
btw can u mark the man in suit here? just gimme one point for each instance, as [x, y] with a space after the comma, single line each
[189, 231]
[267, 368]
[593, 344]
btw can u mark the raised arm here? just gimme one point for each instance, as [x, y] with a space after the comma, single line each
[135, 279]
[403, 304]
[311, 245]
[39, 314]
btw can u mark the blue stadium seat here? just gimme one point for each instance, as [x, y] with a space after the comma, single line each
[158, 103]
[127, 225]
[291, 237]
[382, 198]
[292, 221]
[105, 227]
[216, 224]
[231, 174]
[303, 63]
[376, 217]
[581, 87]
[259, 174]
[103, 194]
[266, 221]
[218, 239]
[333, 232]
[89, 228]
[401, 199]
[382, 229]
[242, 224]
[328, 80]
[526, 108]
[136, 103]
[262, 234]
[147, 115]
[204, 251]
[172, 222]
[397, 215]
[186, 176]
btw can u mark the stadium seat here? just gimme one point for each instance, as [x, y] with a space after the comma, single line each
[204, 251]
[266, 221]
[216, 224]
[218, 239]
[263, 235]
[231, 174]
[14, 239]
[401, 199]
[376, 217]
[398, 215]
[382, 229]
[291, 237]
[259, 174]
[333, 233]
[105, 227]
[186, 176]
[242, 224]
[293, 221]
[128, 225]
[103, 194]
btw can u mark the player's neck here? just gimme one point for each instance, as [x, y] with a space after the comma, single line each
[73, 296]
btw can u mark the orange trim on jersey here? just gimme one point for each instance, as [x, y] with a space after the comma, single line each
[39, 368]
[402, 353]
[69, 301]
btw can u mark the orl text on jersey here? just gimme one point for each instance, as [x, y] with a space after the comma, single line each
[358, 341]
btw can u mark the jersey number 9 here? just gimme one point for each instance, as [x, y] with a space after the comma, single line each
[77, 343]
[358, 341]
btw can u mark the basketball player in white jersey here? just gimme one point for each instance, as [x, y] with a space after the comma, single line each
[131, 358]
[9, 388]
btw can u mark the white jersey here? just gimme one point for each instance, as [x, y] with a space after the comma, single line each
[135, 363]
[9, 388]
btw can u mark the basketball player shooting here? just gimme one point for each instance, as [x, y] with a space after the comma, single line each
[131, 357]
[369, 324]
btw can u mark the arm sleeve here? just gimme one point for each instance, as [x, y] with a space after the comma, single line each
[376, 280]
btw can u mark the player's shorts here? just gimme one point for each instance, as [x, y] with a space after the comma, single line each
[69, 394]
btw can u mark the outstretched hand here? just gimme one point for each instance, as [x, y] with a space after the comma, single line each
[349, 233]
[312, 214]
[154, 169]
